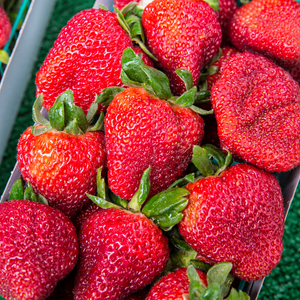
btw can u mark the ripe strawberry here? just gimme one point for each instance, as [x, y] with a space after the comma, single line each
[142, 130]
[119, 4]
[60, 158]
[181, 34]
[257, 108]
[126, 249]
[235, 216]
[85, 58]
[219, 64]
[270, 28]
[295, 73]
[196, 284]
[5, 28]
[38, 247]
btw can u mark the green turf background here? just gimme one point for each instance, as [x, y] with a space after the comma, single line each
[284, 281]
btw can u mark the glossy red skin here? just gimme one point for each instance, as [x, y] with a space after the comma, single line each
[85, 58]
[5, 28]
[270, 28]
[143, 131]
[119, 4]
[224, 15]
[257, 108]
[38, 247]
[295, 73]
[181, 34]
[236, 217]
[119, 247]
[227, 53]
[62, 167]
[173, 285]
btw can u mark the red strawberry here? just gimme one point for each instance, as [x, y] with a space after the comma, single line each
[5, 28]
[270, 28]
[224, 15]
[236, 217]
[125, 249]
[181, 34]
[218, 65]
[85, 58]
[173, 285]
[257, 108]
[295, 73]
[38, 247]
[61, 163]
[143, 130]
[119, 4]
[190, 283]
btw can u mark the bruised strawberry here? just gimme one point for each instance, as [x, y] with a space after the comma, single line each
[257, 108]
[181, 34]
[85, 58]
[235, 215]
[143, 129]
[270, 28]
[125, 248]
[60, 158]
[38, 246]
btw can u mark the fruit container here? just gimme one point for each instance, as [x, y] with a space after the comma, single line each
[22, 48]
[18, 70]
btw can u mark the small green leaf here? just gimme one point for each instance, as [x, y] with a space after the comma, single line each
[159, 82]
[186, 77]
[137, 29]
[214, 4]
[201, 111]
[122, 21]
[17, 190]
[196, 287]
[29, 194]
[102, 202]
[216, 153]
[56, 116]
[92, 111]
[99, 124]
[142, 193]
[40, 130]
[4, 57]
[42, 199]
[117, 200]
[237, 295]
[204, 267]
[201, 95]
[187, 99]
[212, 292]
[183, 181]
[227, 163]
[102, 7]
[37, 117]
[108, 94]
[101, 186]
[201, 160]
[218, 273]
[167, 221]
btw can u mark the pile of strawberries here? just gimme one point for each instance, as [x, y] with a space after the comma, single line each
[153, 174]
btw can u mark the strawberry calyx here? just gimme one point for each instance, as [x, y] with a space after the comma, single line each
[130, 19]
[65, 116]
[210, 160]
[135, 73]
[164, 209]
[18, 192]
[219, 282]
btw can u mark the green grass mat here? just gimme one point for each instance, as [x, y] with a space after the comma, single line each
[282, 283]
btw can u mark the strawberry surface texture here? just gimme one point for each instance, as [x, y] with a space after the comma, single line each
[5, 27]
[236, 217]
[173, 285]
[39, 247]
[120, 253]
[86, 57]
[270, 28]
[181, 34]
[256, 104]
[62, 167]
[141, 131]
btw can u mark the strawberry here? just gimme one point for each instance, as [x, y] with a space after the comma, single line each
[126, 247]
[235, 214]
[85, 58]
[119, 4]
[181, 34]
[256, 104]
[5, 28]
[295, 73]
[191, 283]
[143, 129]
[218, 65]
[270, 28]
[39, 246]
[60, 158]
